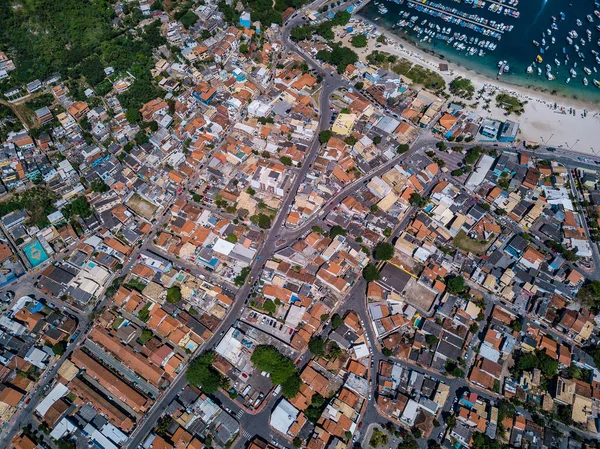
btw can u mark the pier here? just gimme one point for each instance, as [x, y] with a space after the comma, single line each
[424, 4]
[505, 6]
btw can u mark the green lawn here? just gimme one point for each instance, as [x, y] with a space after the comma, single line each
[466, 243]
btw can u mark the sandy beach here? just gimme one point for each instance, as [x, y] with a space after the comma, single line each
[540, 123]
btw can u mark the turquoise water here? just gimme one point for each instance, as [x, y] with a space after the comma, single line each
[35, 253]
[515, 47]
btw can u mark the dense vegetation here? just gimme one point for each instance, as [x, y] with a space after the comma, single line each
[456, 285]
[510, 104]
[371, 273]
[201, 373]
[526, 361]
[589, 294]
[339, 57]
[75, 38]
[462, 87]
[359, 41]
[419, 75]
[79, 207]
[282, 369]
[8, 121]
[383, 251]
[173, 294]
[37, 201]
[381, 58]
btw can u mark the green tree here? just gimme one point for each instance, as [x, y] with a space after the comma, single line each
[173, 294]
[383, 251]
[339, 56]
[241, 278]
[316, 345]
[285, 160]
[282, 369]
[79, 207]
[336, 321]
[402, 148]
[456, 284]
[263, 221]
[336, 230]
[516, 325]
[481, 441]
[59, 348]
[350, 140]
[201, 373]
[97, 185]
[432, 340]
[377, 140]
[133, 115]
[462, 87]
[359, 41]
[163, 425]
[325, 135]
[417, 200]
[371, 273]
[188, 19]
[452, 368]
[65, 443]
[269, 306]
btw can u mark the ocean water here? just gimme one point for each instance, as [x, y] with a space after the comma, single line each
[516, 47]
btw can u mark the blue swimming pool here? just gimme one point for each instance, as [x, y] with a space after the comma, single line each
[35, 253]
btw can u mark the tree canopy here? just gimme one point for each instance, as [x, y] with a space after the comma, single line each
[336, 321]
[316, 345]
[359, 41]
[78, 207]
[282, 369]
[37, 201]
[383, 251]
[526, 361]
[325, 135]
[75, 39]
[371, 273]
[173, 294]
[462, 87]
[456, 284]
[336, 230]
[339, 56]
[201, 373]
[417, 200]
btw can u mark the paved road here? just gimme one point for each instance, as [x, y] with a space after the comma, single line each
[24, 414]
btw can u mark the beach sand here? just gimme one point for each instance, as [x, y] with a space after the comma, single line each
[540, 123]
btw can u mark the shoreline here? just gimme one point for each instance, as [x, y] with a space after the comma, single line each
[540, 123]
[433, 59]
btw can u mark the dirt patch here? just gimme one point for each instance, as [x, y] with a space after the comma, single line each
[140, 206]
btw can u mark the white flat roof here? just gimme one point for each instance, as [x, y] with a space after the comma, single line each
[223, 247]
[283, 416]
[55, 394]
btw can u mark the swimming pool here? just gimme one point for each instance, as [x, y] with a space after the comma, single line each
[35, 253]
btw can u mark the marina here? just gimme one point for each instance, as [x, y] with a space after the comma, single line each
[482, 34]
